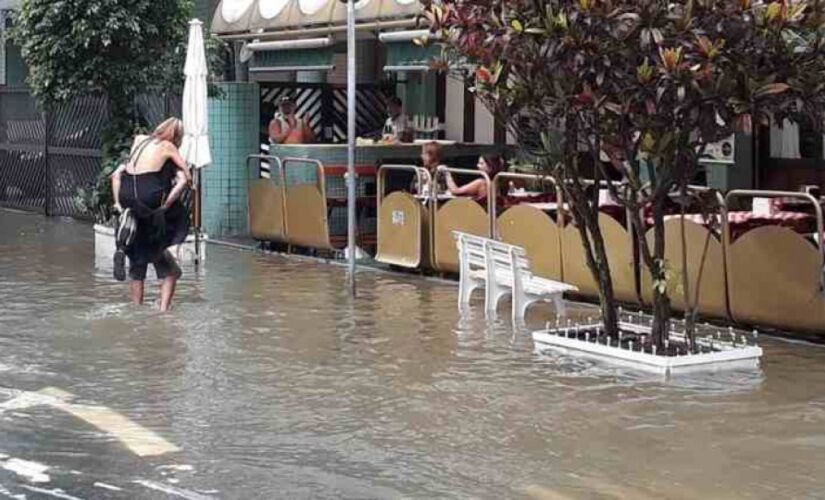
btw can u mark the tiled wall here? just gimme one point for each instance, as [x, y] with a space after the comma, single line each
[233, 134]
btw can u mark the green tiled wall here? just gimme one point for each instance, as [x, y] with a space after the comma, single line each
[233, 134]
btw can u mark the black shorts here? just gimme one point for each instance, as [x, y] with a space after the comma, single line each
[165, 266]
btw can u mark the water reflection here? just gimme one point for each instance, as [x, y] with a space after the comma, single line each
[274, 381]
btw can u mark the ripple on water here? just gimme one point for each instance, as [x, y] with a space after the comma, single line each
[271, 379]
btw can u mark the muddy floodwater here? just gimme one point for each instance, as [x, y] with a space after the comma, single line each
[268, 381]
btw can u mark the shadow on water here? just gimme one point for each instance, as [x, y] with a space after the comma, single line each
[274, 382]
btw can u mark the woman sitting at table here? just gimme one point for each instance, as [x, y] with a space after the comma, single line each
[477, 189]
[431, 160]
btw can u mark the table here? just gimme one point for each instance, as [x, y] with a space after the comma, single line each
[440, 197]
[548, 206]
[526, 194]
[741, 222]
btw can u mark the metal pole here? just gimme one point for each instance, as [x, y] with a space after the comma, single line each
[49, 177]
[351, 179]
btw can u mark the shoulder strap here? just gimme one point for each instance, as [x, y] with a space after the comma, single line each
[138, 151]
[136, 156]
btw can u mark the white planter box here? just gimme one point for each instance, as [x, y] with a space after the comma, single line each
[722, 354]
[184, 253]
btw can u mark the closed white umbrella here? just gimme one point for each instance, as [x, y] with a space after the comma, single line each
[195, 146]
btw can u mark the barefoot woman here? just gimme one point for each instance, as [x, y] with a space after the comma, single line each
[150, 184]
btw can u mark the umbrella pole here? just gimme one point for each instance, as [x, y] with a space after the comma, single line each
[197, 218]
[351, 179]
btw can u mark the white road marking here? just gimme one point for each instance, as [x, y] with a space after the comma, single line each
[9, 494]
[33, 471]
[140, 440]
[172, 490]
[57, 493]
[107, 486]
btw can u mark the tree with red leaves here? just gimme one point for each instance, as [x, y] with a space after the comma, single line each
[649, 83]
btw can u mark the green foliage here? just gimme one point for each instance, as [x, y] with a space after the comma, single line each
[648, 83]
[114, 47]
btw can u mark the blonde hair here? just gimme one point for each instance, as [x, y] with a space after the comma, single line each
[170, 126]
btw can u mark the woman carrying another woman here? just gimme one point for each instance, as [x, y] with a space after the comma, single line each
[150, 185]
[477, 189]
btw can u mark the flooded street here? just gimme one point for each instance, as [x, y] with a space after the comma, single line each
[267, 381]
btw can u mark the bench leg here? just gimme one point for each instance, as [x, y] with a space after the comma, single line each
[493, 295]
[520, 309]
[561, 308]
[465, 291]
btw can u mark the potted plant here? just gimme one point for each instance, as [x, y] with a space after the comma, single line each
[648, 84]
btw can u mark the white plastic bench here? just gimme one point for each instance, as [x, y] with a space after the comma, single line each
[503, 269]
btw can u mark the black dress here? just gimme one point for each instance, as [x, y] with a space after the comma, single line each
[157, 229]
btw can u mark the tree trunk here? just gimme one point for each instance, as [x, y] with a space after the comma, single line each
[587, 223]
[661, 299]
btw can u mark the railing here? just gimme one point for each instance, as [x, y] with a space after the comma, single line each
[820, 224]
[420, 173]
[541, 179]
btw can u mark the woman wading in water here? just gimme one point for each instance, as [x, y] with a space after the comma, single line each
[150, 185]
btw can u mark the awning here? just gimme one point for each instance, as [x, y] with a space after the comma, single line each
[319, 59]
[245, 16]
[408, 56]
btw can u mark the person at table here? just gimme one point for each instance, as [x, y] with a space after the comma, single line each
[288, 128]
[431, 160]
[397, 127]
[477, 189]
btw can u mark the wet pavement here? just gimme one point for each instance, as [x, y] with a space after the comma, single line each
[267, 381]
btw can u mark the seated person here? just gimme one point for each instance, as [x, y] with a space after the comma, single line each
[397, 127]
[431, 160]
[477, 189]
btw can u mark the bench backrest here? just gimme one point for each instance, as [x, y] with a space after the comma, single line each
[470, 250]
[479, 252]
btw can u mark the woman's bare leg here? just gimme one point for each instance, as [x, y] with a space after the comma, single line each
[136, 287]
[167, 292]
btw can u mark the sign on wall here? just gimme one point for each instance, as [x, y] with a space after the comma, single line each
[720, 152]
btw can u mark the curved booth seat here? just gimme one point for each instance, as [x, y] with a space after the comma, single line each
[712, 294]
[460, 214]
[619, 247]
[533, 230]
[306, 210]
[266, 211]
[265, 199]
[774, 280]
[401, 230]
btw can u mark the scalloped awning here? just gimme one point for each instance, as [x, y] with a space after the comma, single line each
[245, 16]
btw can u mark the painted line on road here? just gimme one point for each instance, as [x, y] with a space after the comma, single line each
[172, 490]
[56, 493]
[138, 439]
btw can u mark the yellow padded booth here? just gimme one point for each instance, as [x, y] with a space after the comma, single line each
[619, 247]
